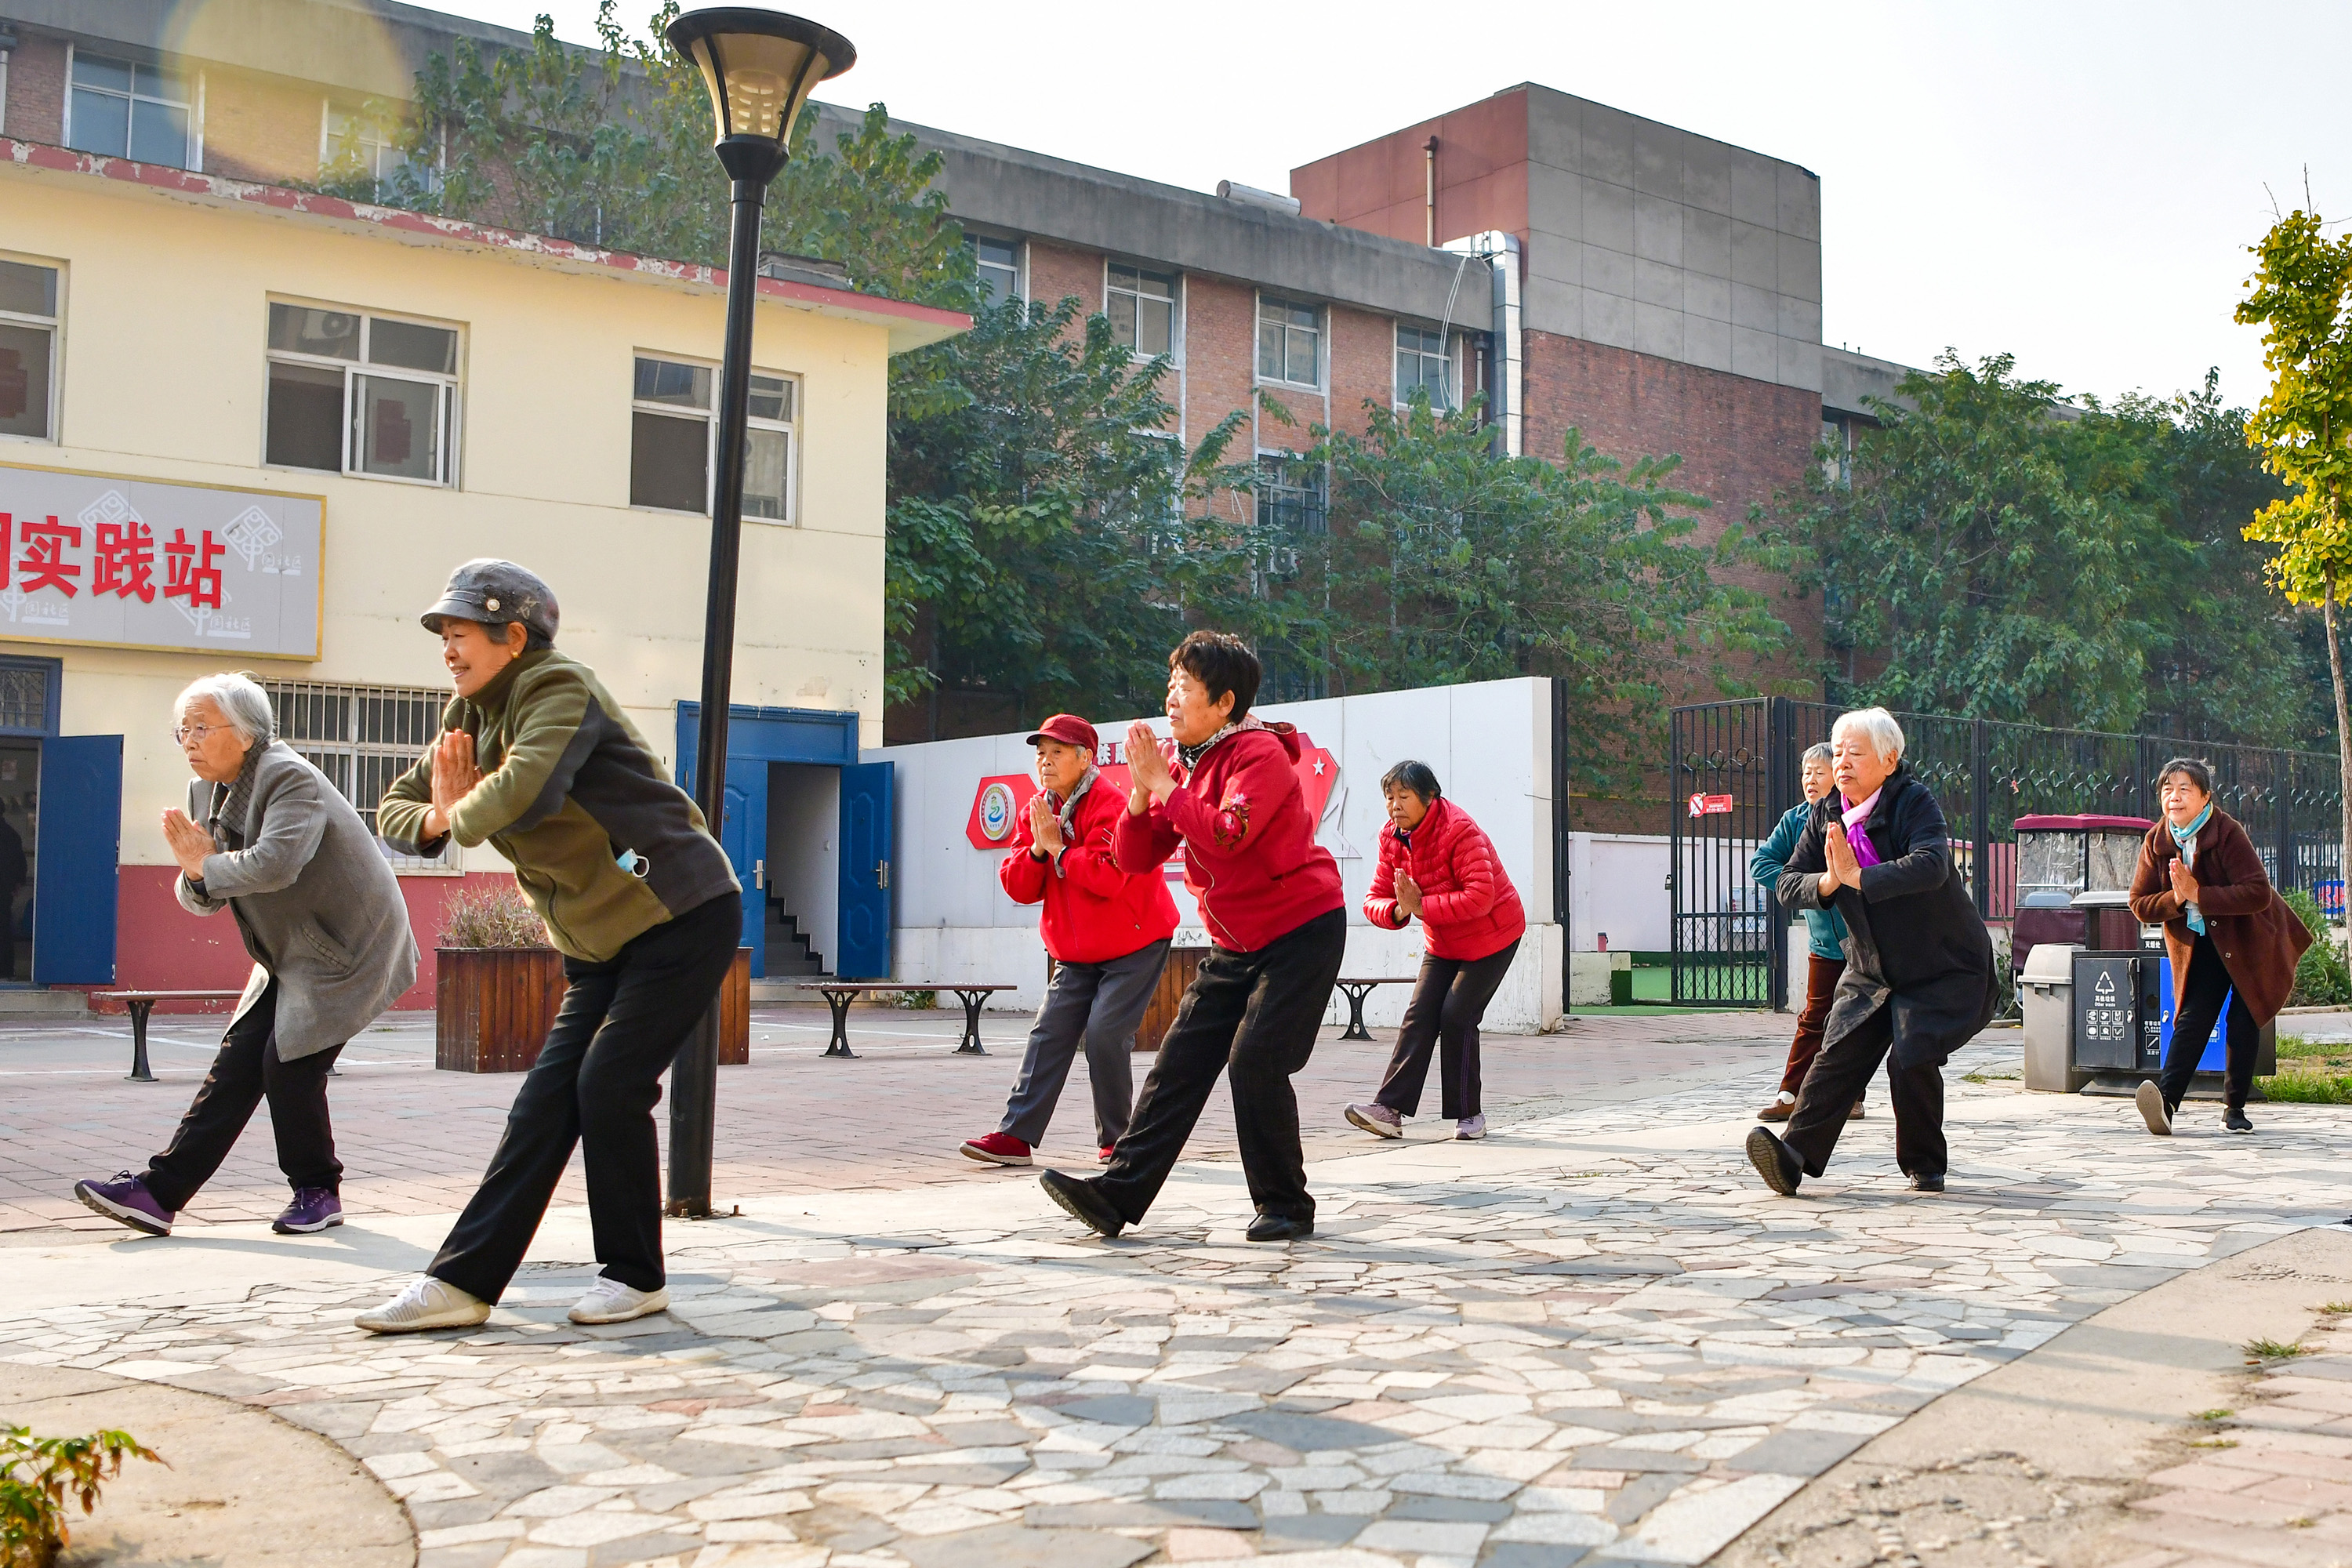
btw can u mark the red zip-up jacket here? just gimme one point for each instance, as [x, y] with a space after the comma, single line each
[1250, 855]
[1094, 911]
[1468, 908]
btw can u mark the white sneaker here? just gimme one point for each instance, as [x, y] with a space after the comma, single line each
[1376, 1120]
[610, 1301]
[1470, 1129]
[423, 1303]
[2149, 1100]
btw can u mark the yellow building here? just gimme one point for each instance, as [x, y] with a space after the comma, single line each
[242, 428]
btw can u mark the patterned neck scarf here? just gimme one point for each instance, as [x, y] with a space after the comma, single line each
[1067, 810]
[1865, 853]
[2185, 839]
[1191, 755]
[229, 806]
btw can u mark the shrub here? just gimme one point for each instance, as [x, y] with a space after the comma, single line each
[492, 917]
[2323, 976]
[38, 1476]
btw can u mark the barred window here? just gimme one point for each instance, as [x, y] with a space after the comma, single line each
[1290, 493]
[363, 737]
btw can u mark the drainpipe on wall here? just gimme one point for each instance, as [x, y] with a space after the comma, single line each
[1501, 252]
[1429, 191]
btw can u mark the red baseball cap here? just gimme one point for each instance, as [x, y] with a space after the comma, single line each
[1068, 729]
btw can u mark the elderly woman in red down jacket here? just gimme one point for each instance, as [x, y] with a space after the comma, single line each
[1436, 865]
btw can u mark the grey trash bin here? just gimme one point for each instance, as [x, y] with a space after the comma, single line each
[2046, 993]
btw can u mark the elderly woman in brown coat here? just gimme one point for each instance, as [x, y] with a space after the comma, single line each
[2229, 935]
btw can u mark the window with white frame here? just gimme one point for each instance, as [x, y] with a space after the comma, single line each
[28, 350]
[359, 393]
[354, 146]
[999, 266]
[673, 439]
[129, 108]
[1142, 310]
[1423, 364]
[363, 737]
[1289, 342]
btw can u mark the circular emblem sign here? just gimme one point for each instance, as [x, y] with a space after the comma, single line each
[996, 813]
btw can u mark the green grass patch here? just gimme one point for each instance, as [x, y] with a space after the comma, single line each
[2215, 1443]
[2274, 1350]
[1991, 1076]
[2303, 1087]
[2213, 1415]
[2297, 1045]
[2336, 1309]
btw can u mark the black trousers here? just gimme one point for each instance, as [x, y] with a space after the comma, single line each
[244, 1073]
[2192, 1026]
[1251, 1017]
[596, 1084]
[1834, 1085]
[1448, 1002]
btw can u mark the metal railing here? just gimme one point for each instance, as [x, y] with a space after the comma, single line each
[1733, 768]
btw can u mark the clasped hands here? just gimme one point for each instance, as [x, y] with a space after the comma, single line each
[190, 844]
[1044, 827]
[455, 774]
[2184, 884]
[1150, 779]
[1408, 893]
[1844, 870]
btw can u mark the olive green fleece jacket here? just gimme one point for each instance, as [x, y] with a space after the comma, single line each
[568, 787]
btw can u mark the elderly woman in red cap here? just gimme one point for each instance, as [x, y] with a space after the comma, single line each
[1108, 930]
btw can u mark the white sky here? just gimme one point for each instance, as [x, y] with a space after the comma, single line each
[2075, 183]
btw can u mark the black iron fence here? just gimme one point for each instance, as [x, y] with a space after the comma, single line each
[1735, 764]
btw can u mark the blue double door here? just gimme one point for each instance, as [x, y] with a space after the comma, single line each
[763, 745]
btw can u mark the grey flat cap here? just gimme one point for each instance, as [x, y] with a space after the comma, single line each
[496, 594]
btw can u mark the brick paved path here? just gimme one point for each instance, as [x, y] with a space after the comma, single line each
[1594, 1334]
[415, 1141]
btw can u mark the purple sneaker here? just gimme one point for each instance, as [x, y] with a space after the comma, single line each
[313, 1209]
[126, 1201]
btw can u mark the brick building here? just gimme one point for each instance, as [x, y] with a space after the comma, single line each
[1659, 291]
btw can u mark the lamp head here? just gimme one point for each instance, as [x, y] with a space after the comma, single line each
[758, 66]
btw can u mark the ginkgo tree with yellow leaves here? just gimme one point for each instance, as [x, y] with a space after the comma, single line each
[2301, 295]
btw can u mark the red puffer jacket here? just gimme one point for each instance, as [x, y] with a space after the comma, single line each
[1250, 855]
[1467, 904]
[1094, 911]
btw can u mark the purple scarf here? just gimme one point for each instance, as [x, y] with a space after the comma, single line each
[1865, 853]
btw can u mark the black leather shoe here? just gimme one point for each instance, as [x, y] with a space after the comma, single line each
[1927, 1181]
[2235, 1119]
[1280, 1227]
[1084, 1203]
[1774, 1162]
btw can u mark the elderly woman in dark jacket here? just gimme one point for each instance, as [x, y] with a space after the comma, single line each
[1918, 980]
[2229, 933]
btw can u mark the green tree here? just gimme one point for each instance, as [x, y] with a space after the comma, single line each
[2301, 295]
[1993, 551]
[1443, 561]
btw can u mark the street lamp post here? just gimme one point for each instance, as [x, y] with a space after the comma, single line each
[760, 67]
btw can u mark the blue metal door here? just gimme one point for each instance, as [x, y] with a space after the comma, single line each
[863, 936]
[75, 882]
[744, 835]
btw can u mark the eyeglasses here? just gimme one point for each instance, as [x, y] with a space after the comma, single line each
[197, 733]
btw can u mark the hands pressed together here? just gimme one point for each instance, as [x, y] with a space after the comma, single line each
[1149, 778]
[1408, 893]
[455, 774]
[1844, 870]
[1044, 827]
[190, 844]
[2184, 884]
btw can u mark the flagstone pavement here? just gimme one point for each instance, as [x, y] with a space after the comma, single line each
[1593, 1335]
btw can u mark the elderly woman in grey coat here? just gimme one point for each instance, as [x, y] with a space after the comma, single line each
[269, 838]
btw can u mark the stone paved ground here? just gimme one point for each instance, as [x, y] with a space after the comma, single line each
[415, 1141]
[1594, 1334]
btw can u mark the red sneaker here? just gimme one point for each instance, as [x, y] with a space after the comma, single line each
[997, 1149]
[1103, 1154]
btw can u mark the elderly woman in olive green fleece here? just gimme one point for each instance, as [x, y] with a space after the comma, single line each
[536, 760]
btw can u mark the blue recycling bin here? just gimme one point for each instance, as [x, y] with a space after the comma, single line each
[2216, 1056]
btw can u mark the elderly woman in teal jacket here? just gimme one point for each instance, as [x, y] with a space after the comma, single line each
[1826, 938]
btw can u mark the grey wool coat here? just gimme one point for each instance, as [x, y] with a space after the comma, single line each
[314, 898]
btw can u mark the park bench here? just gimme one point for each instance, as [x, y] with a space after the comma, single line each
[1357, 991]
[839, 994]
[140, 1004]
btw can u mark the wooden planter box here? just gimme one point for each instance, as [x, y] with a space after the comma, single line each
[1183, 967]
[492, 1007]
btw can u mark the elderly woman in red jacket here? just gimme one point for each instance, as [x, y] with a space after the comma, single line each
[1436, 865]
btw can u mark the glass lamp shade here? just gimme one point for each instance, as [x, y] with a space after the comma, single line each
[760, 67]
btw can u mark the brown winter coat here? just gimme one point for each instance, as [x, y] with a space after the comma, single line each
[2258, 937]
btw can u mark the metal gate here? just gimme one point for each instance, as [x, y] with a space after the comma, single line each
[1734, 772]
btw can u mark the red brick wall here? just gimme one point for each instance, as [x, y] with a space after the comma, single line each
[37, 88]
[1364, 365]
[1056, 273]
[1219, 354]
[261, 129]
